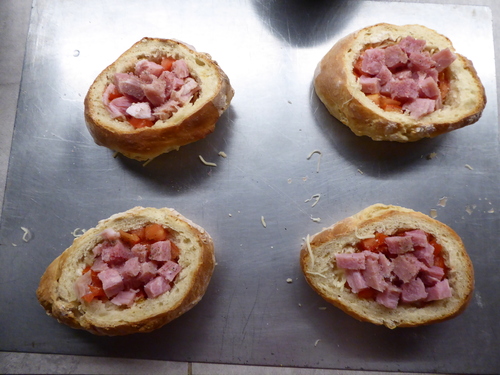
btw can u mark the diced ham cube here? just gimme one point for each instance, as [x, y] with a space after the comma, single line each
[156, 287]
[418, 237]
[130, 268]
[411, 45]
[399, 244]
[116, 254]
[406, 267]
[373, 274]
[420, 107]
[110, 234]
[148, 66]
[141, 251]
[443, 59]
[431, 275]
[385, 265]
[355, 280]
[369, 85]
[156, 91]
[148, 271]
[118, 106]
[373, 61]
[421, 61]
[112, 282]
[169, 270]
[129, 84]
[160, 251]
[405, 88]
[99, 265]
[395, 56]
[124, 298]
[389, 297]
[425, 254]
[351, 261]
[384, 76]
[180, 68]
[413, 291]
[140, 110]
[439, 291]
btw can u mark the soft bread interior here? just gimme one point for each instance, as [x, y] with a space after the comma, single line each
[318, 254]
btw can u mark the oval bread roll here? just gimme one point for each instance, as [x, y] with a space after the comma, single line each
[58, 295]
[192, 122]
[339, 88]
[318, 259]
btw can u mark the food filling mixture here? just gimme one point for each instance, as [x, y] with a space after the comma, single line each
[404, 77]
[151, 92]
[404, 268]
[129, 266]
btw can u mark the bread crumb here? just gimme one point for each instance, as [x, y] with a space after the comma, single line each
[433, 213]
[27, 234]
[316, 342]
[322, 308]
[223, 154]
[442, 202]
[147, 162]
[263, 221]
[316, 219]
[319, 158]
[468, 167]
[492, 210]
[230, 215]
[360, 171]
[300, 305]
[209, 164]
[470, 208]
[289, 180]
[304, 178]
[13, 244]
[430, 156]
[289, 280]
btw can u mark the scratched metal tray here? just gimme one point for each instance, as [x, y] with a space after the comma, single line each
[59, 180]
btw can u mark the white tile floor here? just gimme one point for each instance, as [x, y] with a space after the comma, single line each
[14, 21]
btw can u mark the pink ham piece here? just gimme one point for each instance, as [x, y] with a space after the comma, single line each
[404, 89]
[116, 254]
[161, 251]
[155, 91]
[384, 76]
[399, 244]
[169, 270]
[443, 59]
[141, 251]
[172, 81]
[124, 298]
[421, 61]
[180, 68]
[413, 291]
[130, 268]
[373, 61]
[389, 297]
[148, 66]
[420, 107]
[373, 274]
[82, 284]
[406, 267]
[369, 85]
[112, 282]
[156, 287]
[166, 110]
[99, 265]
[429, 88]
[385, 265]
[411, 45]
[186, 92]
[140, 110]
[395, 56]
[111, 89]
[439, 291]
[418, 237]
[355, 280]
[129, 84]
[148, 271]
[350, 261]
[431, 275]
[425, 254]
[117, 107]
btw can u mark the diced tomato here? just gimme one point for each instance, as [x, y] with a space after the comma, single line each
[114, 94]
[357, 67]
[443, 84]
[167, 62]
[130, 238]
[375, 244]
[374, 98]
[95, 292]
[85, 270]
[437, 248]
[439, 261]
[140, 122]
[139, 233]
[155, 232]
[368, 293]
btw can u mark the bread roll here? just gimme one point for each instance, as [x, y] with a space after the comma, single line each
[319, 259]
[337, 85]
[191, 122]
[58, 294]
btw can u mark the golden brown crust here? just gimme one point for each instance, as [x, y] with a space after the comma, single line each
[191, 123]
[337, 87]
[56, 289]
[319, 271]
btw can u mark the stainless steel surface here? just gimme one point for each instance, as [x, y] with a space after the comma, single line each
[60, 180]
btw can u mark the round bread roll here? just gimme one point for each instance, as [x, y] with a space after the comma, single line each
[193, 121]
[460, 102]
[58, 294]
[319, 259]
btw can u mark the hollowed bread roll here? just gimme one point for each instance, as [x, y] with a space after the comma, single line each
[130, 288]
[191, 117]
[390, 266]
[424, 109]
